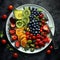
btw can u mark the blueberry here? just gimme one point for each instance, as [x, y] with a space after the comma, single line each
[37, 29]
[33, 29]
[30, 28]
[37, 23]
[33, 21]
[33, 32]
[34, 26]
[36, 32]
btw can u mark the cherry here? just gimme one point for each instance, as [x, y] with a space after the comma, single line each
[10, 7]
[48, 51]
[15, 55]
[51, 47]
[4, 16]
[3, 41]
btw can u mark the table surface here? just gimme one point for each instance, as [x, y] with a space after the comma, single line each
[53, 6]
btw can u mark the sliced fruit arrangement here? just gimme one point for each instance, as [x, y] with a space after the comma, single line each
[28, 28]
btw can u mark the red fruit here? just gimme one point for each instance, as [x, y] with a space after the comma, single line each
[33, 37]
[38, 36]
[15, 55]
[41, 30]
[46, 40]
[10, 7]
[41, 43]
[30, 38]
[11, 31]
[14, 37]
[38, 40]
[27, 33]
[12, 20]
[41, 15]
[43, 21]
[48, 51]
[17, 44]
[12, 25]
[46, 28]
[37, 47]
[4, 16]
[36, 43]
[27, 37]
[3, 41]
[51, 47]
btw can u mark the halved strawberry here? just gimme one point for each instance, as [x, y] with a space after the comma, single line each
[46, 28]
[12, 31]
[12, 20]
[17, 44]
[12, 25]
[14, 37]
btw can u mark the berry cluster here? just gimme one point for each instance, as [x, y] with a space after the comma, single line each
[34, 22]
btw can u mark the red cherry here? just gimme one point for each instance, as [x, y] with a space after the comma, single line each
[46, 40]
[51, 47]
[4, 16]
[15, 55]
[17, 44]
[3, 41]
[33, 37]
[27, 33]
[30, 37]
[41, 43]
[37, 47]
[38, 40]
[38, 36]
[48, 51]
[36, 43]
[41, 15]
[10, 7]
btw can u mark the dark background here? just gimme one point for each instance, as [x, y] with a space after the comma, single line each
[53, 6]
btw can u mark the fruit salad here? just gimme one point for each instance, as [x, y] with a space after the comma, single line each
[28, 28]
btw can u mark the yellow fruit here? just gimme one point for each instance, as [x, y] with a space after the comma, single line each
[19, 31]
[23, 42]
[18, 14]
[22, 36]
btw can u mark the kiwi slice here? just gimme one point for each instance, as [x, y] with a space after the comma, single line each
[26, 20]
[19, 24]
[26, 11]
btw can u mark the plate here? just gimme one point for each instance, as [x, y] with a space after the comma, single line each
[50, 24]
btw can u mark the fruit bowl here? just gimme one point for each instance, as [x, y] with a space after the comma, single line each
[18, 16]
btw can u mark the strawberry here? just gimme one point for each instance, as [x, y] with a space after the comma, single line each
[17, 44]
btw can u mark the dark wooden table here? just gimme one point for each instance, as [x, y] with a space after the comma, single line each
[53, 6]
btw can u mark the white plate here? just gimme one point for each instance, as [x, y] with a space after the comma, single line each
[50, 23]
